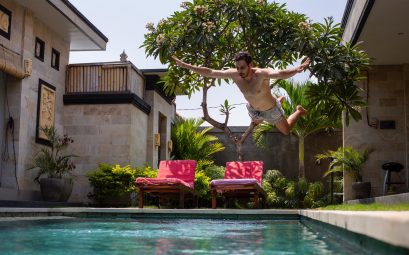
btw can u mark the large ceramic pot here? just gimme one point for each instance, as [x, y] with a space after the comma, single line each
[56, 189]
[361, 189]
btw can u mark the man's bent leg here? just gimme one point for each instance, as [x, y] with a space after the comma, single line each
[286, 125]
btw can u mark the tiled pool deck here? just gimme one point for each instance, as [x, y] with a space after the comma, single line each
[387, 226]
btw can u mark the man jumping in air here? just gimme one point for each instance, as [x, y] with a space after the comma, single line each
[254, 83]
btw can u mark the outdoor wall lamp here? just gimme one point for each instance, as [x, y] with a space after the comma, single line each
[156, 139]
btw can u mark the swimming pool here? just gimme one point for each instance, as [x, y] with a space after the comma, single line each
[171, 236]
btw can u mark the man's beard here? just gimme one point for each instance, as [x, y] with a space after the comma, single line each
[244, 76]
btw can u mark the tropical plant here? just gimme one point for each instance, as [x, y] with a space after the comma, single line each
[285, 193]
[205, 173]
[50, 160]
[202, 183]
[111, 182]
[214, 172]
[346, 159]
[311, 123]
[192, 143]
[210, 32]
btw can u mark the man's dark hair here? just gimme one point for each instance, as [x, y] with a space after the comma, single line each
[243, 56]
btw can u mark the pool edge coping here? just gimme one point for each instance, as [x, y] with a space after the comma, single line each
[391, 226]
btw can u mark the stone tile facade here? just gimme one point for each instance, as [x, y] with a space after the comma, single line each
[110, 134]
[23, 94]
[114, 133]
[160, 120]
[387, 100]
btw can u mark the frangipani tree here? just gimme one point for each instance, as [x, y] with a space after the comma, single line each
[210, 32]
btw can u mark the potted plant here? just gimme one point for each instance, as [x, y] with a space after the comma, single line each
[56, 166]
[351, 161]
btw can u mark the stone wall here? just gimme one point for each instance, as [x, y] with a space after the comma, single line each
[13, 87]
[161, 109]
[2, 118]
[387, 101]
[111, 134]
[406, 116]
[281, 152]
[23, 94]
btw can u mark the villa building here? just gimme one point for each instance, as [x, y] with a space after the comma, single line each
[115, 112]
[382, 27]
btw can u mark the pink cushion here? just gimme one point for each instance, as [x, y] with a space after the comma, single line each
[221, 182]
[179, 169]
[244, 170]
[162, 181]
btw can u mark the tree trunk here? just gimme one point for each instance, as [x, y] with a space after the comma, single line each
[239, 152]
[301, 167]
[238, 141]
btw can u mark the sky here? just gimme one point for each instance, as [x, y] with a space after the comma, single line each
[123, 22]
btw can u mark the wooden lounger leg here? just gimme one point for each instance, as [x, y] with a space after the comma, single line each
[214, 194]
[196, 199]
[256, 198]
[182, 199]
[140, 198]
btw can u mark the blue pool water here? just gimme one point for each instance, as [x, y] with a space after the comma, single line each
[168, 236]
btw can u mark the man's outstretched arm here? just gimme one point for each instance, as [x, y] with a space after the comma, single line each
[207, 72]
[285, 74]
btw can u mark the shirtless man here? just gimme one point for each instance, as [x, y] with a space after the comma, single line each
[254, 83]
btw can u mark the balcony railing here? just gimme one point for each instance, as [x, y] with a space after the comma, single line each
[98, 78]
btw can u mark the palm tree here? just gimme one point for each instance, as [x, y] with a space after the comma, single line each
[192, 143]
[313, 122]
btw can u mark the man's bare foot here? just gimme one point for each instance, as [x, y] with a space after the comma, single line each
[281, 99]
[301, 110]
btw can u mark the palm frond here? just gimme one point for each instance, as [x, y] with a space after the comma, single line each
[192, 143]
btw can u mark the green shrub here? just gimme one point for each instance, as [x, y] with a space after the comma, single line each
[202, 182]
[284, 193]
[203, 177]
[113, 184]
[313, 198]
[214, 172]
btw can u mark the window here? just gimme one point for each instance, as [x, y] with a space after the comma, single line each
[5, 22]
[55, 59]
[39, 49]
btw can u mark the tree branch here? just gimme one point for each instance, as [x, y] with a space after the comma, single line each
[247, 132]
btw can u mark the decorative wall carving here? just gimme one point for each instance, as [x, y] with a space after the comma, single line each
[45, 109]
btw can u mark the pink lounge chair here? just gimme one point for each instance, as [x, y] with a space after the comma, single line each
[174, 176]
[240, 178]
